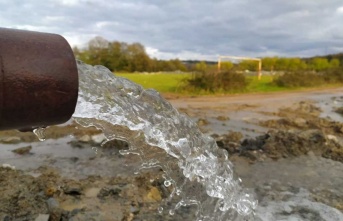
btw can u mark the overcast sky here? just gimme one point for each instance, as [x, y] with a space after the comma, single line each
[197, 29]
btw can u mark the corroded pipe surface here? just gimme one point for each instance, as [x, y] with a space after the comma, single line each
[38, 79]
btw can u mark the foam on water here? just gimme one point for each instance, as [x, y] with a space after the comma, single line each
[197, 171]
[40, 133]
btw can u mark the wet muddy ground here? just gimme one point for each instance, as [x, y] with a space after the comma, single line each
[286, 147]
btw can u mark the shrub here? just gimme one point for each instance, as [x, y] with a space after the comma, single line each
[334, 75]
[225, 81]
[299, 79]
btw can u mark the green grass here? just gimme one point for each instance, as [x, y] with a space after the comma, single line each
[162, 82]
[166, 82]
[263, 85]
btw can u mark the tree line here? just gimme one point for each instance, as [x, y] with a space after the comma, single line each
[125, 57]
[276, 64]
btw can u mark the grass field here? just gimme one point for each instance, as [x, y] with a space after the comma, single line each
[162, 82]
[263, 85]
[173, 82]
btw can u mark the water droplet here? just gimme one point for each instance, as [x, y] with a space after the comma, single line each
[95, 150]
[167, 183]
[160, 210]
[40, 133]
[171, 212]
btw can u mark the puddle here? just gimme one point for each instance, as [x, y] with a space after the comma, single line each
[304, 171]
[72, 162]
[328, 107]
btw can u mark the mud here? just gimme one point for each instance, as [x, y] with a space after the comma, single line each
[300, 130]
[287, 149]
[52, 132]
[284, 144]
[24, 197]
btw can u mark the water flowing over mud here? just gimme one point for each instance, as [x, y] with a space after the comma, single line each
[196, 170]
[286, 147]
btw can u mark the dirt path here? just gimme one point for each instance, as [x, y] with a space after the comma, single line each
[241, 113]
[270, 99]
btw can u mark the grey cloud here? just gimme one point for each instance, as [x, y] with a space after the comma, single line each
[245, 27]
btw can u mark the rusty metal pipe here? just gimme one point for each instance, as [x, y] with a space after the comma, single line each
[38, 79]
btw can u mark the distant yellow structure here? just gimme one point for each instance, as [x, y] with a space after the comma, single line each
[259, 69]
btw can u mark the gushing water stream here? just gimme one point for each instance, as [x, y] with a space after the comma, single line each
[197, 170]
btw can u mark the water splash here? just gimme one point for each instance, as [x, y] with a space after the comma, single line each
[95, 149]
[40, 133]
[197, 171]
